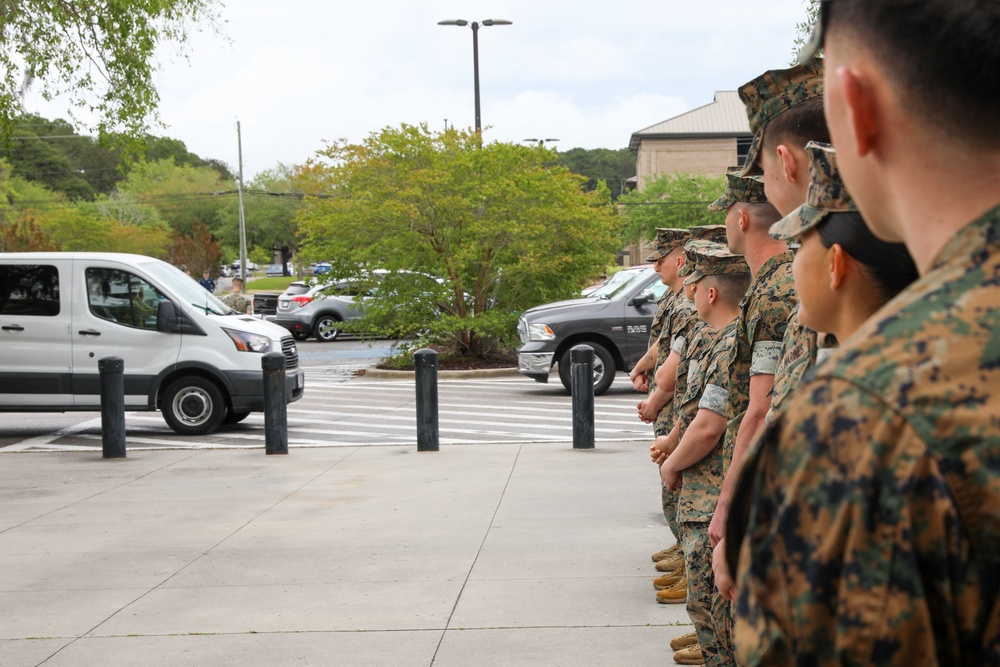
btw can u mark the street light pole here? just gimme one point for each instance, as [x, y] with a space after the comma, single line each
[475, 56]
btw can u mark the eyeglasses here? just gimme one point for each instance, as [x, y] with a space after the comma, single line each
[815, 42]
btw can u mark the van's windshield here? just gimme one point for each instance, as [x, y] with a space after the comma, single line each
[619, 284]
[186, 287]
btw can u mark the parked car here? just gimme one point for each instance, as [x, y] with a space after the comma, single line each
[265, 305]
[251, 266]
[275, 270]
[319, 311]
[321, 268]
[613, 319]
[184, 352]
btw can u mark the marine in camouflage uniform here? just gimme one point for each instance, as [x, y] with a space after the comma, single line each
[872, 534]
[238, 301]
[671, 310]
[705, 389]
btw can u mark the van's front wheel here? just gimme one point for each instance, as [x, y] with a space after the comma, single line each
[193, 406]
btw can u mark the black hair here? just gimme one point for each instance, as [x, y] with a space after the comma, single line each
[944, 56]
[889, 265]
[798, 125]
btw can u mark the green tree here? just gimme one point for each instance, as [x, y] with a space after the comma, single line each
[98, 53]
[670, 200]
[270, 203]
[804, 28]
[614, 167]
[502, 227]
[185, 196]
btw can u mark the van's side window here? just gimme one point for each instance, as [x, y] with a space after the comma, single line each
[29, 289]
[122, 297]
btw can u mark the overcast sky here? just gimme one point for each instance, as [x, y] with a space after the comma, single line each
[301, 72]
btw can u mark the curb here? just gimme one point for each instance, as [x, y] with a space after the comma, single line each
[382, 374]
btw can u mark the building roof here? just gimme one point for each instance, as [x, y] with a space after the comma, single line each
[725, 116]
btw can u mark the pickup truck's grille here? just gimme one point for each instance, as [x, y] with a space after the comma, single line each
[291, 352]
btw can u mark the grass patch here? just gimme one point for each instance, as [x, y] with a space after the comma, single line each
[270, 284]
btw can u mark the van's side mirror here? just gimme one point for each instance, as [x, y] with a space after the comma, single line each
[166, 317]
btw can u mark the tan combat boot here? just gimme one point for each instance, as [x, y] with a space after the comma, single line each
[664, 554]
[677, 643]
[689, 656]
[676, 594]
[670, 563]
[669, 579]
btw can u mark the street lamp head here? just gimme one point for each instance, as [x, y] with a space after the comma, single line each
[456, 22]
[497, 22]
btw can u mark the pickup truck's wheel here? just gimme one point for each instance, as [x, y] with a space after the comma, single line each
[193, 406]
[326, 328]
[604, 369]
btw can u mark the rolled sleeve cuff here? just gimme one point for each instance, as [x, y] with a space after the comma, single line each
[678, 345]
[715, 398]
[764, 359]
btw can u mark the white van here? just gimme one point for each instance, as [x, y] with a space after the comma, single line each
[185, 352]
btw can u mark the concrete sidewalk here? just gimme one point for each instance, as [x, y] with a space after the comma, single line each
[474, 555]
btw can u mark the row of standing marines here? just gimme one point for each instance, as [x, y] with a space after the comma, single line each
[827, 423]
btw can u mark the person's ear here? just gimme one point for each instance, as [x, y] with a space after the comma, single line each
[713, 295]
[743, 220]
[837, 265]
[860, 103]
[789, 167]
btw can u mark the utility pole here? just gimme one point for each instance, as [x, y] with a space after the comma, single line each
[243, 228]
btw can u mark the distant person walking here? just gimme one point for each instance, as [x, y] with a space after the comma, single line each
[207, 282]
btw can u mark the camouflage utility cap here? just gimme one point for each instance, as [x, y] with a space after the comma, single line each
[747, 189]
[826, 195]
[667, 238]
[714, 233]
[773, 93]
[712, 259]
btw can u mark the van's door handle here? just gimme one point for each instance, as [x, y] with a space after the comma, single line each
[13, 327]
[90, 332]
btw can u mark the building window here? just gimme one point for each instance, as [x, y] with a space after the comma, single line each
[742, 148]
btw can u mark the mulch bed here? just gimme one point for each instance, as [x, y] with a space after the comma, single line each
[465, 364]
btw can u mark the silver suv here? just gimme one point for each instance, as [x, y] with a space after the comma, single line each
[320, 311]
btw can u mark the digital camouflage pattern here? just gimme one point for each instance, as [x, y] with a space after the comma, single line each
[713, 233]
[749, 189]
[238, 301]
[801, 349]
[711, 259]
[701, 592]
[662, 314]
[871, 527]
[760, 328]
[703, 480]
[771, 94]
[826, 195]
[667, 238]
[683, 322]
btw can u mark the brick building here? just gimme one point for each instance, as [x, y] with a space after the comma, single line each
[705, 140]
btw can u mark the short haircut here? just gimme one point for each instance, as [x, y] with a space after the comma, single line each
[797, 126]
[943, 56]
[238, 281]
[732, 286]
[889, 265]
[762, 215]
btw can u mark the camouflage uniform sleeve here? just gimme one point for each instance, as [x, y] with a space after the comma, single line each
[853, 553]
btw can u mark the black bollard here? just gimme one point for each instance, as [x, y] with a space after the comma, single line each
[425, 363]
[112, 370]
[275, 406]
[581, 360]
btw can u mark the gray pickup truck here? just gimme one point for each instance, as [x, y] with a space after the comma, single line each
[613, 319]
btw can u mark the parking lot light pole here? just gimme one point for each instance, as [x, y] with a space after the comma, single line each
[475, 56]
